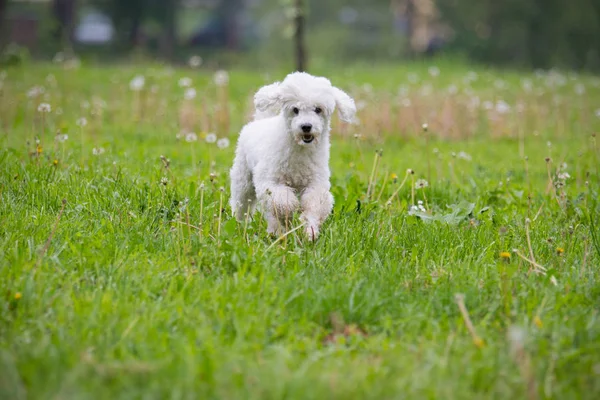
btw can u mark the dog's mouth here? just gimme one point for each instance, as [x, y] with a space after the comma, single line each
[308, 137]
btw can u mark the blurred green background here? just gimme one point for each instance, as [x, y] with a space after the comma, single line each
[259, 33]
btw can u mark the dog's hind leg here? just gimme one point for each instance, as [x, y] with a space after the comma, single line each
[243, 196]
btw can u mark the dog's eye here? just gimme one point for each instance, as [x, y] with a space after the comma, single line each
[295, 110]
[318, 110]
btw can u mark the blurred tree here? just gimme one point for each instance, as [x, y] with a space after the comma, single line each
[64, 12]
[227, 11]
[3, 30]
[129, 16]
[299, 15]
[537, 33]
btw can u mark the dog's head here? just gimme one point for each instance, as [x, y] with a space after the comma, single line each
[307, 103]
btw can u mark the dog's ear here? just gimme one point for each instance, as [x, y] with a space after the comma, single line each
[345, 105]
[268, 98]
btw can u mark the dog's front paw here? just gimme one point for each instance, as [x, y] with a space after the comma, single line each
[283, 202]
[312, 232]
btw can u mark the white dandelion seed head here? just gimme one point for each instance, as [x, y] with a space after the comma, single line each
[191, 137]
[195, 61]
[360, 105]
[434, 71]
[597, 113]
[59, 57]
[44, 108]
[211, 138]
[413, 78]
[62, 138]
[516, 337]
[563, 176]
[98, 102]
[421, 184]
[221, 78]
[185, 82]
[81, 122]
[164, 181]
[190, 94]
[426, 90]
[502, 107]
[137, 83]
[98, 151]
[223, 143]
[51, 79]
[72, 63]
[403, 90]
[527, 85]
[464, 156]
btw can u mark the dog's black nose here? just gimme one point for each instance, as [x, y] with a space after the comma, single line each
[306, 128]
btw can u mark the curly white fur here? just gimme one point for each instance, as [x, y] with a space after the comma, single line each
[282, 157]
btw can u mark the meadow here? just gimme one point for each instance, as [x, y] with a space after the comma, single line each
[461, 260]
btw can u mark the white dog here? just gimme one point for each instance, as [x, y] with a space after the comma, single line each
[282, 157]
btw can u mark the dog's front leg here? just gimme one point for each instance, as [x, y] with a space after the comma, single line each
[279, 203]
[316, 203]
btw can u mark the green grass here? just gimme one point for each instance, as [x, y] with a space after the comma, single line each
[112, 294]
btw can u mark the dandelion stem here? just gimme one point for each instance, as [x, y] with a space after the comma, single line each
[47, 244]
[280, 238]
[220, 214]
[373, 173]
[201, 210]
[537, 267]
[527, 222]
[460, 300]
[382, 189]
[412, 189]
[399, 187]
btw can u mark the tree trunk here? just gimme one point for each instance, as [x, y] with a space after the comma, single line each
[3, 23]
[229, 10]
[169, 29]
[64, 12]
[299, 22]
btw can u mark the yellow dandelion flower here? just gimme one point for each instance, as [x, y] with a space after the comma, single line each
[18, 295]
[538, 321]
[505, 255]
[478, 342]
[560, 250]
[55, 162]
[39, 149]
[394, 176]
